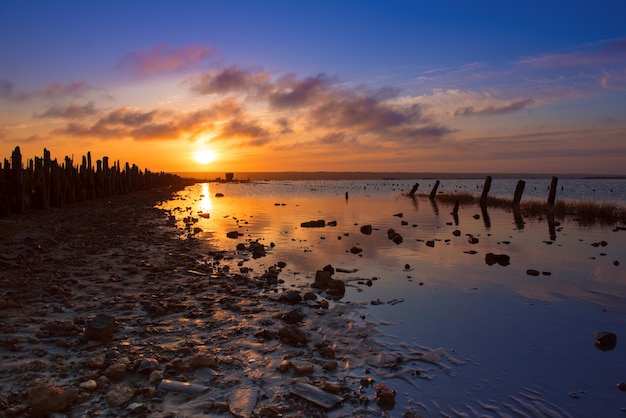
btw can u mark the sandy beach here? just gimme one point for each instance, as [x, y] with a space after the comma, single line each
[105, 311]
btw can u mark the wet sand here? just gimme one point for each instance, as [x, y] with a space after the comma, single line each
[106, 311]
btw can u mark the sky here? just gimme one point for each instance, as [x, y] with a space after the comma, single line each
[383, 86]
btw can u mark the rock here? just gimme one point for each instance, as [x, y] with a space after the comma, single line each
[302, 367]
[330, 387]
[101, 328]
[284, 366]
[119, 395]
[322, 278]
[203, 360]
[45, 399]
[292, 297]
[394, 236]
[293, 317]
[430, 243]
[155, 377]
[356, 250]
[233, 234]
[292, 335]
[472, 239]
[501, 259]
[385, 397]
[366, 229]
[89, 385]
[336, 287]
[325, 349]
[329, 366]
[148, 365]
[320, 223]
[315, 395]
[606, 341]
[621, 386]
[115, 371]
[532, 272]
[97, 362]
[456, 233]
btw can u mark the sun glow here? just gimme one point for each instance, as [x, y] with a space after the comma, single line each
[205, 156]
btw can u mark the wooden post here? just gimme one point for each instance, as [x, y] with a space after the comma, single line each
[17, 182]
[486, 188]
[552, 195]
[414, 190]
[519, 191]
[455, 212]
[433, 192]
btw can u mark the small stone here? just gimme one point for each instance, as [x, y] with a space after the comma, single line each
[89, 385]
[115, 371]
[430, 243]
[155, 377]
[101, 328]
[203, 360]
[606, 341]
[284, 366]
[97, 362]
[330, 387]
[119, 395]
[302, 367]
[385, 396]
[44, 399]
[366, 229]
[532, 272]
[148, 365]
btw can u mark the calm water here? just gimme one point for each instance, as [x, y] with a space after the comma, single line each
[526, 342]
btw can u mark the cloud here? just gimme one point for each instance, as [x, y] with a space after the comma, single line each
[361, 112]
[292, 93]
[72, 111]
[242, 129]
[614, 80]
[494, 110]
[163, 59]
[229, 80]
[54, 91]
[612, 52]
[6, 88]
[156, 124]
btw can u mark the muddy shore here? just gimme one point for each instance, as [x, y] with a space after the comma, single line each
[106, 311]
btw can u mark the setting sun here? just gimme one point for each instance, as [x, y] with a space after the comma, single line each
[205, 156]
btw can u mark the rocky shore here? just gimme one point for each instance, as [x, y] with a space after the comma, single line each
[105, 310]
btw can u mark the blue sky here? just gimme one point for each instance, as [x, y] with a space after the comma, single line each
[359, 86]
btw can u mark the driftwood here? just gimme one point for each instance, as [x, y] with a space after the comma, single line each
[44, 183]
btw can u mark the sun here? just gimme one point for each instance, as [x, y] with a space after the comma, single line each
[205, 156]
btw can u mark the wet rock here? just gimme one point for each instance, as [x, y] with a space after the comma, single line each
[332, 223]
[292, 335]
[320, 223]
[148, 365]
[430, 243]
[385, 397]
[325, 349]
[330, 387]
[284, 366]
[137, 408]
[101, 328]
[329, 366]
[292, 297]
[49, 398]
[336, 288]
[203, 360]
[268, 411]
[394, 236]
[501, 259]
[606, 341]
[472, 239]
[89, 385]
[293, 317]
[115, 371]
[356, 250]
[532, 272]
[119, 395]
[302, 367]
[456, 233]
[155, 377]
[366, 229]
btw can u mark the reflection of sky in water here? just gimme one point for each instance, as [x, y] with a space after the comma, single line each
[518, 330]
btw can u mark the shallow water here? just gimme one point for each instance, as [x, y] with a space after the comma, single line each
[526, 342]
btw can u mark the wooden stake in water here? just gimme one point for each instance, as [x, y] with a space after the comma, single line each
[519, 191]
[552, 195]
[433, 192]
[486, 187]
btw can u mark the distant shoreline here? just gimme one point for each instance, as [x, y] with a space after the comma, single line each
[363, 175]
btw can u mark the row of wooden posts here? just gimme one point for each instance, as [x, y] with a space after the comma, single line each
[517, 196]
[44, 183]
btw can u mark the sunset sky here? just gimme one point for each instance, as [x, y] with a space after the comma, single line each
[414, 86]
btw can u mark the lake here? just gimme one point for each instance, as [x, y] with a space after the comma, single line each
[506, 340]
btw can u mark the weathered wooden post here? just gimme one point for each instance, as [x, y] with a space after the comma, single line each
[433, 192]
[414, 190]
[485, 193]
[46, 177]
[18, 204]
[552, 195]
[455, 212]
[519, 191]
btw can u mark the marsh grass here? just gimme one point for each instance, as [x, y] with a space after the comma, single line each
[584, 211]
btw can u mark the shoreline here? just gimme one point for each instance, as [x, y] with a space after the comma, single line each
[176, 313]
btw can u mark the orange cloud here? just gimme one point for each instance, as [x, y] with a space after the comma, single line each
[72, 111]
[162, 59]
[495, 110]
